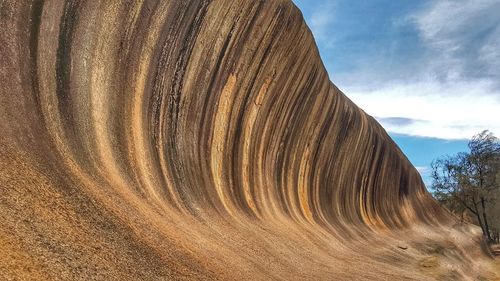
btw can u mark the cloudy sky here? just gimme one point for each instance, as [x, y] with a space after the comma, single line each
[428, 70]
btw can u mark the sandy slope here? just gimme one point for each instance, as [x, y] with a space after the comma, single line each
[159, 140]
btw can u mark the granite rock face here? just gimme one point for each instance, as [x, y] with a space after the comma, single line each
[153, 140]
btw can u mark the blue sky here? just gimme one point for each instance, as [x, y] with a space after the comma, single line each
[428, 71]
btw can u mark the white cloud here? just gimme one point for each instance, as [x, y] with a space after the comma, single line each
[455, 92]
[423, 169]
[452, 110]
[463, 36]
[445, 85]
[442, 21]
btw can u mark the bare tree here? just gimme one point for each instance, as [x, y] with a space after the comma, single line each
[469, 182]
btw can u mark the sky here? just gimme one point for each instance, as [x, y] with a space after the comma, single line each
[428, 71]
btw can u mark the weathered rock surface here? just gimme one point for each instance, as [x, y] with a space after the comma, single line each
[158, 140]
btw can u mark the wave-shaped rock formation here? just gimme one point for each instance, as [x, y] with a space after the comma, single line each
[159, 140]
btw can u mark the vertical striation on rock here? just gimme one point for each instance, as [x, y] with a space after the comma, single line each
[198, 139]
